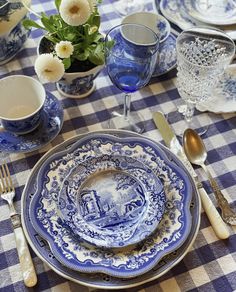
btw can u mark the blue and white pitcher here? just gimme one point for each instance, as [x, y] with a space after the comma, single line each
[12, 32]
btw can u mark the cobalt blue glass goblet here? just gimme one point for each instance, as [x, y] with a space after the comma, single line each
[131, 52]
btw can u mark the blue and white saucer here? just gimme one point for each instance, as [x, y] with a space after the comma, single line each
[223, 97]
[167, 57]
[50, 126]
[112, 200]
[73, 251]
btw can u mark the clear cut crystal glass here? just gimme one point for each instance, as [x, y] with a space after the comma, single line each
[203, 54]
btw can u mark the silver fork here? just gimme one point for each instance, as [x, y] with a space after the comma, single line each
[7, 192]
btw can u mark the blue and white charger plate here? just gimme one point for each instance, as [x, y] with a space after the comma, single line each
[167, 58]
[111, 200]
[98, 280]
[224, 94]
[77, 254]
[49, 128]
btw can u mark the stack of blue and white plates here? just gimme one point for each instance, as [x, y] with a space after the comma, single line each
[110, 209]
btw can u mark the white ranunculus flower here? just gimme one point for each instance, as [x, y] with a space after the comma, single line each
[75, 12]
[64, 49]
[49, 68]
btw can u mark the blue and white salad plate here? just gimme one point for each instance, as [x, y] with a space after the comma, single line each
[167, 57]
[111, 200]
[48, 129]
[73, 251]
[97, 280]
[223, 97]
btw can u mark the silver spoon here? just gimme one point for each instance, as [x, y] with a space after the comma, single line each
[197, 154]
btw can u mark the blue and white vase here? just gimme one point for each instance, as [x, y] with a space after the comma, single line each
[74, 84]
[78, 84]
[12, 32]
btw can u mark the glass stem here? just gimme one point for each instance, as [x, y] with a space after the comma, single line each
[188, 114]
[127, 106]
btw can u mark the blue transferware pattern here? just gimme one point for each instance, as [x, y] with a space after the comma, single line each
[112, 201]
[98, 280]
[23, 126]
[11, 43]
[13, 34]
[78, 84]
[167, 58]
[7, 9]
[223, 97]
[48, 129]
[164, 29]
[72, 251]
[171, 10]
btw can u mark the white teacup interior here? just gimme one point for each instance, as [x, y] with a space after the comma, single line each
[20, 97]
[150, 20]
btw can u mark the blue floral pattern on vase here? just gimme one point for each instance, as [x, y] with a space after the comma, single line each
[78, 86]
[112, 201]
[48, 129]
[77, 254]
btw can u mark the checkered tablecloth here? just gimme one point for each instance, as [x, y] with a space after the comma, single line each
[210, 265]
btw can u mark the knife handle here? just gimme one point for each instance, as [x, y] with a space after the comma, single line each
[26, 263]
[214, 217]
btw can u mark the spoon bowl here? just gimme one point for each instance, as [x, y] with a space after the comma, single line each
[196, 153]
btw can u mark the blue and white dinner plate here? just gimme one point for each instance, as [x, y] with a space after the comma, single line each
[178, 14]
[98, 280]
[75, 253]
[167, 58]
[216, 12]
[111, 200]
[50, 126]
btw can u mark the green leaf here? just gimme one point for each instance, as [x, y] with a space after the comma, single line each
[66, 62]
[82, 56]
[57, 4]
[97, 55]
[28, 23]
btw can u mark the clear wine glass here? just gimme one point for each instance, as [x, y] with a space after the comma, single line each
[203, 54]
[125, 7]
[131, 52]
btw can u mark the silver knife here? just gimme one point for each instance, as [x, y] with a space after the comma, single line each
[173, 144]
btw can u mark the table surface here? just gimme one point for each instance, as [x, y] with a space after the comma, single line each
[210, 265]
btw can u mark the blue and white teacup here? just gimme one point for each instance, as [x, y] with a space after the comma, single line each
[21, 102]
[156, 22]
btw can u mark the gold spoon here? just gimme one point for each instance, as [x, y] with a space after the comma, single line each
[197, 154]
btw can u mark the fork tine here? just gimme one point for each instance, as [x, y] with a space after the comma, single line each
[11, 186]
[6, 179]
[3, 186]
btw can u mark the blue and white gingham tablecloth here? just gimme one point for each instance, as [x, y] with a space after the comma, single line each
[210, 265]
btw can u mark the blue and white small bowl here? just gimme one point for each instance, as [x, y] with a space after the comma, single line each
[21, 101]
[154, 21]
